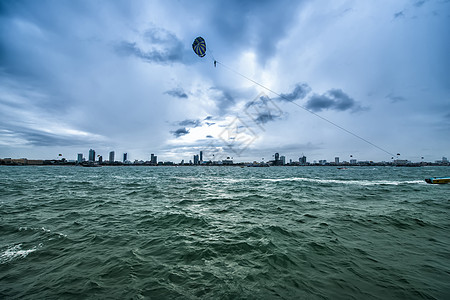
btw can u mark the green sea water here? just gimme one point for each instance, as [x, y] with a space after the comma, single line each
[223, 233]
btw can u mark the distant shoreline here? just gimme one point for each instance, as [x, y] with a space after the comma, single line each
[26, 162]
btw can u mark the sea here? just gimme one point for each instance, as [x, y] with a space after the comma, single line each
[130, 232]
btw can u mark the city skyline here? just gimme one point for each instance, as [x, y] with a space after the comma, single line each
[122, 77]
[197, 159]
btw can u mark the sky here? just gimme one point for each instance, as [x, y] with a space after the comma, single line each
[324, 79]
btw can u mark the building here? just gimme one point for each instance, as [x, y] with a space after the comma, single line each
[91, 155]
[196, 159]
[111, 156]
[283, 160]
[227, 161]
[302, 160]
[100, 159]
[336, 160]
[125, 157]
[353, 161]
[80, 158]
[201, 156]
[153, 159]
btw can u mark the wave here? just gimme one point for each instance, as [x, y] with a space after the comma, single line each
[349, 182]
[15, 252]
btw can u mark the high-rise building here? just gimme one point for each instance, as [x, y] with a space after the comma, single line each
[80, 158]
[111, 156]
[336, 160]
[153, 159]
[283, 160]
[277, 157]
[302, 160]
[91, 155]
[125, 157]
[100, 159]
[201, 156]
[196, 159]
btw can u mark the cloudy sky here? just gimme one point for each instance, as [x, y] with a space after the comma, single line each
[319, 78]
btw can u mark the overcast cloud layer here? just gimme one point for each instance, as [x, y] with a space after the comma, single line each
[122, 76]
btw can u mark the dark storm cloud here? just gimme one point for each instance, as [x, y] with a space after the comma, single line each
[190, 123]
[334, 99]
[265, 117]
[180, 132]
[163, 47]
[263, 109]
[177, 92]
[259, 25]
[223, 99]
[34, 137]
[300, 91]
[168, 55]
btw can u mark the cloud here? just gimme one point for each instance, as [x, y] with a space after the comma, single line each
[190, 123]
[180, 132]
[300, 91]
[209, 136]
[334, 99]
[164, 47]
[399, 14]
[257, 25]
[176, 92]
[420, 3]
[265, 117]
[60, 136]
[395, 98]
[223, 99]
[263, 109]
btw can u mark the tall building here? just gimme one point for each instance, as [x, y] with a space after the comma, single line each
[125, 157]
[100, 159]
[277, 157]
[153, 159]
[283, 160]
[111, 156]
[80, 158]
[336, 160]
[196, 159]
[91, 155]
[201, 156]
[302, 160]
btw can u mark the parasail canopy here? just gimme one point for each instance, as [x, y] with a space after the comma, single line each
[199, 46]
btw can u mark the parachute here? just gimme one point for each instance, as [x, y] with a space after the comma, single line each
[199, 46]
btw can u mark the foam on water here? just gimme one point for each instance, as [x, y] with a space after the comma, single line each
[16, 252]
[352, 182]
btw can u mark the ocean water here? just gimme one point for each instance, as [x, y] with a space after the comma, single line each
[223, 233]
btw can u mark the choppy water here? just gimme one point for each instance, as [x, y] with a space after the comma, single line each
[224, 232]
